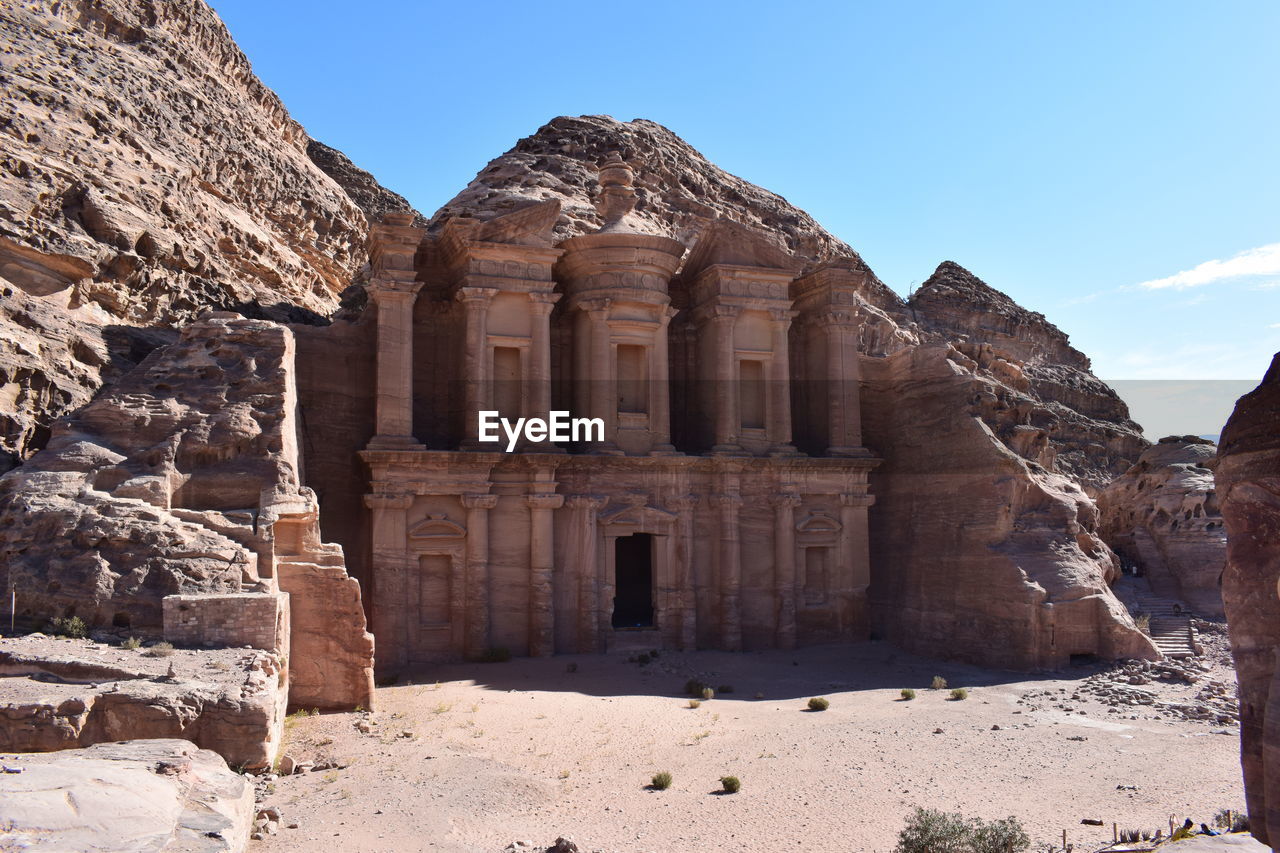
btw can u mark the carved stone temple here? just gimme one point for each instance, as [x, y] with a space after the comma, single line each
[726, 506]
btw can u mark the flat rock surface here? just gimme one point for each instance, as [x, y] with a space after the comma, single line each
[130, 796]
[1214, 844]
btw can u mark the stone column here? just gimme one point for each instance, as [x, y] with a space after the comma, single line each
[478, 387]
[478, 506]
[394, 417]
[854, 561]
[540, 305]
[586, 568]
[730, 573]
[686, 593]
[728, 418]
[392, 566]
[604, 395]
[784, 567]
[779, 425]
[660, 386]
[844, 376]
[542, 634]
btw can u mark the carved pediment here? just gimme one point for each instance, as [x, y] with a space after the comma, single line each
[531, 225]
[638, 516]
[434, 528]
[818, 523]
[727, 242]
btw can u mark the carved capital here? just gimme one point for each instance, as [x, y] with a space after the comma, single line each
[837, 319]
[388, 501]
[542, 302]
[544, 501]
[592, 502]
[730, 502]
[784, 499]
[597, 307]
[384, 290]
[854, 499]
[782, 317]
[476, 296]
[479, 501]
[683, 502]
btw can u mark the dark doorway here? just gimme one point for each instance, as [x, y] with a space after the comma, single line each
[633, 592]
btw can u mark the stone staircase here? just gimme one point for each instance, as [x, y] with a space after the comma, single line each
[1170, 624]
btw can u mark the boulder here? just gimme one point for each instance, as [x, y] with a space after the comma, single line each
[163, 795]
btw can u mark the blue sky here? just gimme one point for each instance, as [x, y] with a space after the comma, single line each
[1113, 165]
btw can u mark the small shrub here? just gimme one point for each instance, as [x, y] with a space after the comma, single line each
[1143, 621]
[72, 626]
[932, 831]
[695, 703]
[708, 693]
[939, 683]
[131, 644]
[661, 781]
[908, 694]
[818, 703]
[725, 688]
[693, 687]
[161, 649]
[959, 694]
[643, 659]
[495, 654]
[731, 784]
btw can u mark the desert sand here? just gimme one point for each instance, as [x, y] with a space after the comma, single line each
[473, 757]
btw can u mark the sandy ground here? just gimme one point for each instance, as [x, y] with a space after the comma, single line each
[473, 757]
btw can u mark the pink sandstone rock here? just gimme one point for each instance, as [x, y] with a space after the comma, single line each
[1247, 478]
[1162, 515]
[184, 479]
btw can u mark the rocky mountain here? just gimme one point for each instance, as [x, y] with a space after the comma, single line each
[146, 176]
[1247, 477]
[1162, 515]
[1057, 412]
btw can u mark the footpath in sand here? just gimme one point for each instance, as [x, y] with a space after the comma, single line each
[473, 757]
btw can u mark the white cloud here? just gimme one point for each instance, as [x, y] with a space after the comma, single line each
[1264, 260]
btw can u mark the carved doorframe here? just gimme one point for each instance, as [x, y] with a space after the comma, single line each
[626, 520]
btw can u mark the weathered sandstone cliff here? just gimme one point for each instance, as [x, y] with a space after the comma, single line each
[146, 175]
[183, 478]
[978, 552]
[1162, 516]
[1057, 412]
[1247, 476]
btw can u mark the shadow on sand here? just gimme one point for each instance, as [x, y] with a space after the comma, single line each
[772, 675]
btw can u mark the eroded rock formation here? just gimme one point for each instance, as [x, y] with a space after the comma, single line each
[977, 551]
[1162, 515]
[1247, 476]
[163, 795]
[183, 478]
[1051, 409]
[147, 176]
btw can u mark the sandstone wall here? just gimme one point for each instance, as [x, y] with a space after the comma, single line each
[1247, 476]
[978, 553]
[258, 620]
[1162, 515]
[183, 478]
